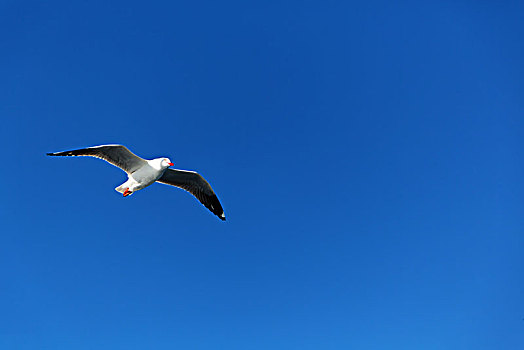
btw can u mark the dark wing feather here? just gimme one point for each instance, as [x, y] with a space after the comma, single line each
[117, 155]
[197, 186]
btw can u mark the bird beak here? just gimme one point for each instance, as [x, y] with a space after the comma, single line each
[170, 164]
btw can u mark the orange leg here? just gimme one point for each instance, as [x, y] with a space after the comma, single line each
[126, 192]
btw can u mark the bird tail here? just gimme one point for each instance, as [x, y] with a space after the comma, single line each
[129, 184]
[121, 188]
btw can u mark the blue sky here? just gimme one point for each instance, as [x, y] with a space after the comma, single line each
[368, 156]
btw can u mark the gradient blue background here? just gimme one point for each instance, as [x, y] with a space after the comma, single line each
[368, 156]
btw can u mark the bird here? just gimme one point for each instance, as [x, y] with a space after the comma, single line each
[144, 172]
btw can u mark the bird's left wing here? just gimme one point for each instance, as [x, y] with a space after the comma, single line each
[197, 186]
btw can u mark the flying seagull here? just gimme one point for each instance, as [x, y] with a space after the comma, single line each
[142, 173]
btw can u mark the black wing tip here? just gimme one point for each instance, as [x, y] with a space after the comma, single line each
[67, 153]
[60, 154]
[215, 207]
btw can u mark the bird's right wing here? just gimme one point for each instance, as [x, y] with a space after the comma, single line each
[117, 155]
[197, 186]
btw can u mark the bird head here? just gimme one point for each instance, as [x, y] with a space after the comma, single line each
[166, 163]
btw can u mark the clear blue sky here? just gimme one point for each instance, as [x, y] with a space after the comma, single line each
[368, 156]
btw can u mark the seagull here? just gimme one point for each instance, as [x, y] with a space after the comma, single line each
[143, 172]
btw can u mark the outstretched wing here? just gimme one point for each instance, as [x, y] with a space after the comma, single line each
[117, 155]
[197, 186]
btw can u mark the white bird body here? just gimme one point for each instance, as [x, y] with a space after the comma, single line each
[147, 175]
[142, 173]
